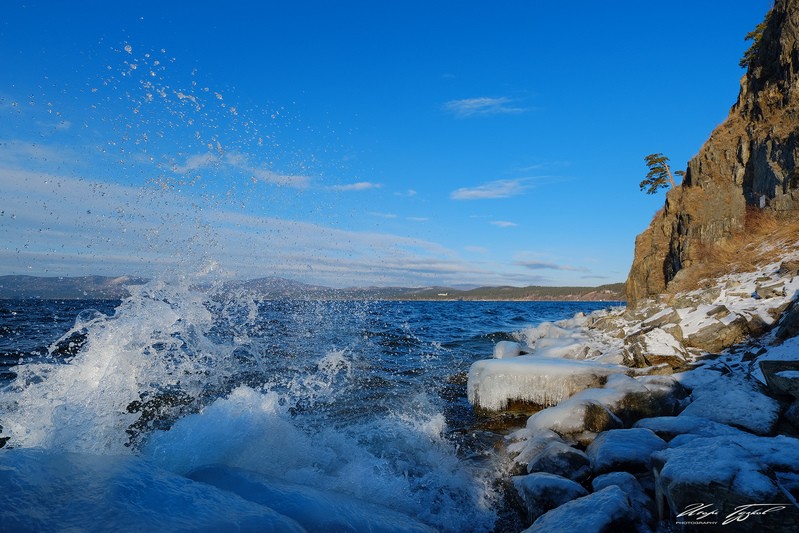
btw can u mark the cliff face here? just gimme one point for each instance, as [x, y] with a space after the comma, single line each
[749, 162]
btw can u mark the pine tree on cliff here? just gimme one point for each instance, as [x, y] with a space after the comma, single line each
[659, 174]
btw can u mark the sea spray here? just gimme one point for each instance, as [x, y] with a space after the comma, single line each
[338, 397]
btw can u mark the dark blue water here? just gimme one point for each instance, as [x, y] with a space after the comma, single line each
[361, 399]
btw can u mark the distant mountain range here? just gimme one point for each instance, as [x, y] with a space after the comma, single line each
[101, 287]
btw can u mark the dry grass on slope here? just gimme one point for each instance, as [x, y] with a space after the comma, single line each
[764, 239]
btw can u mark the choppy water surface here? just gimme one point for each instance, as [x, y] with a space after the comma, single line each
[360, 399]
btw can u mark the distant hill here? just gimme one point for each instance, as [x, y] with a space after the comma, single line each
[100, 287]
[64, 288]
[612, 292]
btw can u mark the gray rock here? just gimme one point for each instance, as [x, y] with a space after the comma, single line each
[624, 450]
[718, 335]
[782, 377]
[542, 492]
[562, 460]
[788, 326]
[652, 347]
[604, 511]
[789, 268]
[770, 291]
[792, 414]
[662, 318]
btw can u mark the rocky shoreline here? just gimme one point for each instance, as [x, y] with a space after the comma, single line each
[681, 414]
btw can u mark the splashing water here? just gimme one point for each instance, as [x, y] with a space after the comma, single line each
[182, 379]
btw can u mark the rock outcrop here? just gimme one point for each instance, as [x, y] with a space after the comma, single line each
[749, 162]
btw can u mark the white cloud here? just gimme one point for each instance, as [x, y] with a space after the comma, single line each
[234, 161]
[492, 190]
[359, 186]
[503, 223]
[544, 265]
[418, 219]
[483, 106]
[60, 225]
[409, 193]
[382, 215]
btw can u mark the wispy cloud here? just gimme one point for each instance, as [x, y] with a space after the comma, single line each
[476, 249]
[382, 215]
[492, 190]
[418, 219]
[359, 186]
[543, 265]
[409, 193]
[483, 106]
[240, 163]
[503, 223]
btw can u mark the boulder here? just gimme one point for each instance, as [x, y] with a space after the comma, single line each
[722, 473]
[542, 492]
[735, 402]
[630, 399]
[714, 335]
[539, 381]
[525, 445]
[662, 318]
[791, 414]
[624, 450]
[604, 511]
[643, 505]
[782, 377]
[652, 347]
[773, 290]
[788, 326]
[668, 427]
[578, 419]
[507, 349]
[562, 460]
[789, 267]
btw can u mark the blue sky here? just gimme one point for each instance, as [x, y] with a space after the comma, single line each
[352, 143]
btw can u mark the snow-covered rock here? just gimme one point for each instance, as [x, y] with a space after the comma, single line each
[624, 449]
[712, 327]
[651, 347]
[643, 505]
[543, 381]
[542, 492]
[735, 402]
[577, 419]
[727, 471]
[668, 427]
[507, 349]
[606, 510]
[563, 460]
[525, 445]
[626, 398]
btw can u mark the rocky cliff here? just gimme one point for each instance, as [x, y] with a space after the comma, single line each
[747, 165]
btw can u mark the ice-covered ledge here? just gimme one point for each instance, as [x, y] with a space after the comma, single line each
[543, 381]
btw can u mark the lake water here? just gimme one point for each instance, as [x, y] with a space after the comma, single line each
[181, 411]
